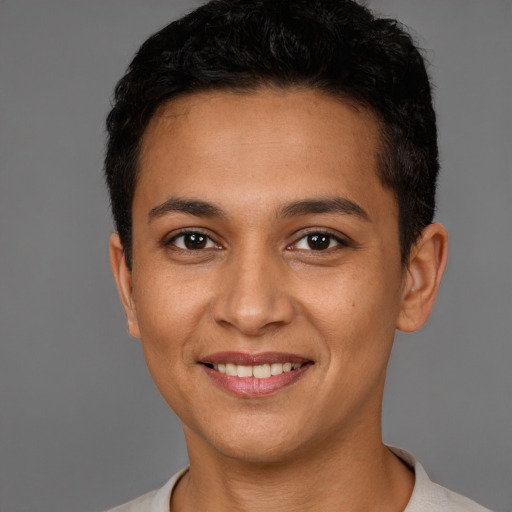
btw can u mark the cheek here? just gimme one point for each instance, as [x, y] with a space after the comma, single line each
[168, 310]
[356, 310]
[168, 319]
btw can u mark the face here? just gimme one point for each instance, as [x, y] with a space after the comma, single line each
[266, 280]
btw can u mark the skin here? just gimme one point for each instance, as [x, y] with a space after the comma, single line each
[257, 286]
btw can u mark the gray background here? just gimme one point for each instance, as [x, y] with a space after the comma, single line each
[81, 425]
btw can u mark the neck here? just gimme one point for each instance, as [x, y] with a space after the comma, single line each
[353, 474]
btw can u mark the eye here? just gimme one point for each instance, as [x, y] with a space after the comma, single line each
[192, 241]
[318, 242]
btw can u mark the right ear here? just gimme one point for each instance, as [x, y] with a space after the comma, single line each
[123, 278]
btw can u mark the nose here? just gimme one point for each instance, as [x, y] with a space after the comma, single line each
[253, 297]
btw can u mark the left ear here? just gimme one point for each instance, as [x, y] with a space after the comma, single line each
[425, 269]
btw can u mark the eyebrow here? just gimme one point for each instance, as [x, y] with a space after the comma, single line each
[330, 205]
[190, 206]
[339, 205]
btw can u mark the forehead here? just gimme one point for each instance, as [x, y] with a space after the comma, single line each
[288, 140]
[268, 109]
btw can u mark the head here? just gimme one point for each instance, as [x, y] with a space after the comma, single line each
[272, 170]
[335, 47]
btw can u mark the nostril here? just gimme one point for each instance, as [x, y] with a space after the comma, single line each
[252, 299]
[254, 315]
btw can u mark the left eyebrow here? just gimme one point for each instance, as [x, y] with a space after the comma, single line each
[339, 205]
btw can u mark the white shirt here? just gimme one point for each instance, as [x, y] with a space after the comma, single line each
[427, 496]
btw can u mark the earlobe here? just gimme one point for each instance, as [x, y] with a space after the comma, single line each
[123, 279]
[426, 266]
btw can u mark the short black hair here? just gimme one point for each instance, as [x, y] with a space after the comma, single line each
[335, 46]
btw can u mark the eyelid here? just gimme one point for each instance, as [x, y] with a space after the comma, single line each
[168, 239]
[341, 239]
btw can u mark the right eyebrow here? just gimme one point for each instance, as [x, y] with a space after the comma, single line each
[182, 205]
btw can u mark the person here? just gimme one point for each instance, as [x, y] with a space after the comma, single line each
[272, 170]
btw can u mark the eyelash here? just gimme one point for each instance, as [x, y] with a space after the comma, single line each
[339, 241]
[190, 232]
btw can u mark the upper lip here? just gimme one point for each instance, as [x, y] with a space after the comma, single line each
[244, 359]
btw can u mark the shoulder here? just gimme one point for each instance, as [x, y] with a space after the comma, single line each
[153, 501]
[449, 501]
[427, 496]
[141, 504]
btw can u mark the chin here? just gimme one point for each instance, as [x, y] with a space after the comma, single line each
[259, 450]
[263, 442]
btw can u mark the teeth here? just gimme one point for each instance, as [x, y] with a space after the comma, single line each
[276, 369]
[260, 371]
[244, 371]
[231, 370]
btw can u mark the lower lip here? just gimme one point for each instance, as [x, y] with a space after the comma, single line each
[253, 387]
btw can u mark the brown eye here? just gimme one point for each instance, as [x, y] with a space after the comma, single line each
[319, 241]
[192, 241]
[195, 241]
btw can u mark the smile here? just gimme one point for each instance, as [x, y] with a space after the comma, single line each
[260, 371]
[254, 375]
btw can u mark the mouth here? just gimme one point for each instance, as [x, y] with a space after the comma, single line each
[260, 371]
[253, 375]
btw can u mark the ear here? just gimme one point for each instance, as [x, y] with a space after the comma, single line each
[425, 269]
[123, 278]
